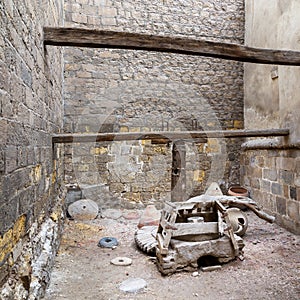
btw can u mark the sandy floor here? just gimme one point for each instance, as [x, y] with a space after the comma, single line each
[270, 270]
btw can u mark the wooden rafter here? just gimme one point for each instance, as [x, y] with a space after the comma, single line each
[200, 136]
[80, 37]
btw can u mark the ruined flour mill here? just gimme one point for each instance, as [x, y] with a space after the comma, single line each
[126, 105]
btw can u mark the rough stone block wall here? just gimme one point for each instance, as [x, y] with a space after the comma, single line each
[273, 177]
[133, 91]
[30, 111]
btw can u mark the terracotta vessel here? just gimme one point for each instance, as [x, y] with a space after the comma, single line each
[238, 191]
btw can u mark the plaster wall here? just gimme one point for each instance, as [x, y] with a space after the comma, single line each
[272, 93]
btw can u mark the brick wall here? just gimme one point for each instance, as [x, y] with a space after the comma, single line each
[30, 110]
[116, 90]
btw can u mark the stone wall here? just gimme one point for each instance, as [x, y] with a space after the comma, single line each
[124, 91]
[30, 111]
[271, 167]
[273, 177]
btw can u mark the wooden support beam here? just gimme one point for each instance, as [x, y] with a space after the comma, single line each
[80, 37]
[166, 136]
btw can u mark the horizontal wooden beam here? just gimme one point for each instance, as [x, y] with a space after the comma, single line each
[269, 144]
[79, 37]
[165, 136]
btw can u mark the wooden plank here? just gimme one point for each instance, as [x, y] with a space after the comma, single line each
[195, 228]
[229, 228]
[169, 206]
[178, 173]
[81, 37]
[186, 206]
[166, 225]
[160, 242]
[170, 135]
[220, 224]
[165, 228]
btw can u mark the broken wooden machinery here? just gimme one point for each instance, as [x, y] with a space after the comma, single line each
[209, 225]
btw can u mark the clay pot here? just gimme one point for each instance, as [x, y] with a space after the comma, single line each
[238, 191]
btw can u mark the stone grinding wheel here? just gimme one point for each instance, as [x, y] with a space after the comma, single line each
[121, 261]
[145, 238]
[83, 209]
[108, 242]
[238, 219]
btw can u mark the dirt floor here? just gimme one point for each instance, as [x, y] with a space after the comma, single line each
[270, 270]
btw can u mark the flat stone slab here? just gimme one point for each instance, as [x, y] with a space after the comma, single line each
[111, 214]
[131, 215]
[133, 285]
[83, 209]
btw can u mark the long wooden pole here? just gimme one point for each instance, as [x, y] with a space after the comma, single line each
[200, 136]
[80, 37]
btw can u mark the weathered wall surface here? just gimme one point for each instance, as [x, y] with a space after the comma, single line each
[273, 178]
[272, 92]
[114, 90]
[30, 111]
[272, 96]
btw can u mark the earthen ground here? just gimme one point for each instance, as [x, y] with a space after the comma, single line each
[270, 270]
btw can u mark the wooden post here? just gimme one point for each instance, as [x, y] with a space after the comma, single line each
[178, 177]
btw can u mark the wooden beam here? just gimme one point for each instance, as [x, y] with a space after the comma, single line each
[79, 37]
[166, 136]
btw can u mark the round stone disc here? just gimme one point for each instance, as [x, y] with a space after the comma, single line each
[108, 242]
[83, 209]
[121, 261]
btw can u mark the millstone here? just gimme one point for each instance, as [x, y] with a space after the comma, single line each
[84, 209]
[108, 242]
[121, 261]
